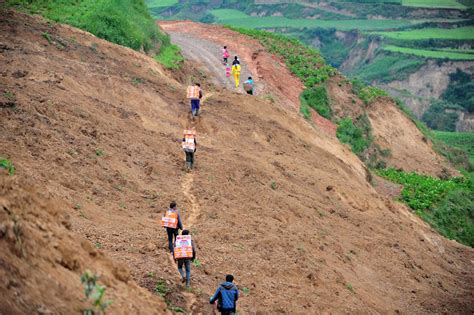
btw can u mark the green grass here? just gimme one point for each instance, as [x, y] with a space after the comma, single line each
[386, 68]
[448, 4]
[447, 205]
[435, 54]
[460, 140]
[124, 22]
[317, 98]
[160, 3]
[460, 33]
[170, 57]
[239, 19]
[7, 165]
[357, 134]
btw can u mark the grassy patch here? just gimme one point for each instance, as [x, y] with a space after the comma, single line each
[7, 165]
[437, 54]
[238, 18]
[445, 4]
[448, 205]
[124, 22]
[317, 98]
[460, 33]
[387, 68]
[160, 3]
[357, 135]
[461, 140]
[170, 57]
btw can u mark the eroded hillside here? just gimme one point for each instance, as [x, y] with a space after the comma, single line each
[286, 209]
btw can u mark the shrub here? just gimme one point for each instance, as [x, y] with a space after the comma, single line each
[170, 57]
[8, 165]
[95, 292]
[317, 98]
[358, 137]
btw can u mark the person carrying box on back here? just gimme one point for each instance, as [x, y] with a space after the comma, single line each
[172, 222]
[194, 93]
[184, 254]
[189, 147]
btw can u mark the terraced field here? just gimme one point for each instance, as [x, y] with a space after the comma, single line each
[460, 33]
[438, 54]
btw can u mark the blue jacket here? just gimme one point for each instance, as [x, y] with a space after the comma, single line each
[227, 295]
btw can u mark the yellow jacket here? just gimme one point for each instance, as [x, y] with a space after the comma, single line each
[236, 69]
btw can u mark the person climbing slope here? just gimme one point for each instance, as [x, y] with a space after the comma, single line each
[225, 54]
[236, 72]
[184, 254]
[189, 147]
[228, 70]
[226, 296]
[236, 61]
[248, 86]
[195, 94]
[172, 222]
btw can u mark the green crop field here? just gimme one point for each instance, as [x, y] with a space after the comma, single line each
[386, 68]
[160, 3]
[448, 4]
[437, 54]
[239, 19]
[461, 140]
[460, 33]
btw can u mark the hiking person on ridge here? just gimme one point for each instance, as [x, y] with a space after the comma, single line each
[173, 213]
[186, 261]
[236, 71]
[225, 54]
[227, 295]
[189, 147]
[248, 86]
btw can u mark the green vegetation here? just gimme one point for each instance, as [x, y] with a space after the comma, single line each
[441, 115]
[99, 152]
[448, 4]
[7, 165]
[304, 62]
[317, 98]
[124, 22]
[357, 135]
[161, 288]
[460, 140]
[460, 33]
[95, 292]
[366, 93]
[385, 68]
[170, 57]
[349, 287]
[460, 90]
[448, 205]
[280, 21]
[160, 3]
[438, 54]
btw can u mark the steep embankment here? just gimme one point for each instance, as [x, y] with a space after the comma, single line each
[287, 210]
[410, 150]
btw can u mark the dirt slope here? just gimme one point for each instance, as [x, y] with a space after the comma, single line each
[287, 210]
[202, 42]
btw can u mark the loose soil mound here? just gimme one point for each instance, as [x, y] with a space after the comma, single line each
[287, 210]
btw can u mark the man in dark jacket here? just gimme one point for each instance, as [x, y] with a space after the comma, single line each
[227, 295]
[187, 263]
[173, 232]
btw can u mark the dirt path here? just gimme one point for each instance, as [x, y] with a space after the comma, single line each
[208, 55]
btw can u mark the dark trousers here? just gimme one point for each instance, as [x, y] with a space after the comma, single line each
[187, 266]
[195, 107]
[227, 312]
[250, 92]
[172, 233]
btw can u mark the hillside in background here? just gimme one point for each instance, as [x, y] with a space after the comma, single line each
[281, 196]
[419, 51]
